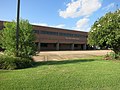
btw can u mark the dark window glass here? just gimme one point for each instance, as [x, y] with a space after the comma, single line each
[36, 31]
[49, 33]
[44, 45]
[54, 45]
[76, 45]
[62, 34]
[70, 35]
[59, 34]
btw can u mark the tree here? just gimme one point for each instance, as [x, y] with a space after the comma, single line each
[0, 38]
[26, 39]
[106, 32]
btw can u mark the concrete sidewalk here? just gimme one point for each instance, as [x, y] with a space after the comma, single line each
[65, 55]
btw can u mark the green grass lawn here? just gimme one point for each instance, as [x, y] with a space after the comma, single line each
[81, 74]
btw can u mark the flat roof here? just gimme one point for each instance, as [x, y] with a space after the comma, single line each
[52, 27]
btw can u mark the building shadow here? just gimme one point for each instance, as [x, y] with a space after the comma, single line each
[62, 62]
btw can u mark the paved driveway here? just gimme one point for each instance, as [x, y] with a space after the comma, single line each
[64, 55]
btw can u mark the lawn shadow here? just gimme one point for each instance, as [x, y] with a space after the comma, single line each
[62, 62]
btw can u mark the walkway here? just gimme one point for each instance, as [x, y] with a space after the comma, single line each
[64, 55]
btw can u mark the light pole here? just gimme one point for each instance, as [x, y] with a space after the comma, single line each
[17, 29]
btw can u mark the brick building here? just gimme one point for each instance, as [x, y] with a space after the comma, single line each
[49, 38]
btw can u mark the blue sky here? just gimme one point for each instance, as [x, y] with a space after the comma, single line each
[69, 14]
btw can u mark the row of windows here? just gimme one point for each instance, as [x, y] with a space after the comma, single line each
[58, 33]
[49, 33]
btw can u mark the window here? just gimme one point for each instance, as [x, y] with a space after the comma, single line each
[44, 45]
[49, 33]
[36, 31]
[76, 45]
[70, 35]
[54, 45]
[59, 34]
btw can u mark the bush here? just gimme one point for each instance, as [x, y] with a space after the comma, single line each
[106, 32]
[10, 62]
[112, 55]
[26, 46]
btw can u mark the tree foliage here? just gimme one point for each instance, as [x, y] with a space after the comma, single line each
[106, 32]
[26, 39]
[0, 37]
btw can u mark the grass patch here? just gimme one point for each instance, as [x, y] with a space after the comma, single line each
[80, 74]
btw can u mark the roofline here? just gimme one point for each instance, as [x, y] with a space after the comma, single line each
[4, 21]
[51, 27]
[59, 28]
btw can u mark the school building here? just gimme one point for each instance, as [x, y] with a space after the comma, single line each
[50, 38]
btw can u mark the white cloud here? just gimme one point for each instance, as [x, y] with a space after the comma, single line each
[40, 24]
[80, 8]
[85, 30]
[82, 25]
[44, 24]
[109, 6]
[82, 29]
[59, 26]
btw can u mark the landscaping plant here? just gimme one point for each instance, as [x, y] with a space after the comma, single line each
[26, 48]
[106, 32]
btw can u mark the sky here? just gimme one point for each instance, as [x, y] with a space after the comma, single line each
[68, 14]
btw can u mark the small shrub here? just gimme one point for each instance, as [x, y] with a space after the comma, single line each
[23, 62]
[10, 63]
[112, 55]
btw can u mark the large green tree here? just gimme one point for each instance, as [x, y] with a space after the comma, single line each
[26, 39]
[106, 32]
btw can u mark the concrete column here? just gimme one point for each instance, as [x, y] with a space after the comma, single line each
[57, 46]
[73, 46]
[39, 46]
[84, 47]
